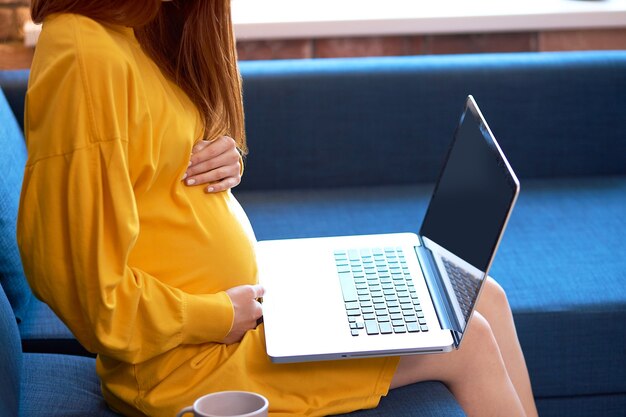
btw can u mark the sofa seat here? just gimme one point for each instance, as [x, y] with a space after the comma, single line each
[61, 385]
[384, 123]
[426, 399]
[42, 331]
[573, 340]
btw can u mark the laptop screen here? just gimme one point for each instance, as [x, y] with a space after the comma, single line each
[474, 194]
[468, 211]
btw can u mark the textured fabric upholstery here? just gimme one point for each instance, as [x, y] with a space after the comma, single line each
[426, 399]
[583, 406]
[389, 120]
[562, 264]
[12, 161]
[61, 386]
[43, 331]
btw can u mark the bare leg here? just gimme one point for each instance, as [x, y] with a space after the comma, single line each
[475, 374]
[488, 375]
[494, 306]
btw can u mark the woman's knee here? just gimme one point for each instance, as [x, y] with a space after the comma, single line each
[479, 339]
[478, 353]
[493, 298]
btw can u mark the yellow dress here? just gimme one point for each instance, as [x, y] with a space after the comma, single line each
[132, 260]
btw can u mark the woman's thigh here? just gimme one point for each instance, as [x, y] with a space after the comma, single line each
[479, 348]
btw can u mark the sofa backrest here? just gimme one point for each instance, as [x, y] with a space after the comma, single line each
[13, 84]
[11, 360]
[12, 160]
[378, 121]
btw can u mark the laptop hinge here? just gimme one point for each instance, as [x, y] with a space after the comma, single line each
[438, 293]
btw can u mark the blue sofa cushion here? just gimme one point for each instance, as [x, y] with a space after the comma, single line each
[544, 251]
[61, 386]
[562, 262]
[426, 399]
[43, 331]
[12, 161]
[583, 406]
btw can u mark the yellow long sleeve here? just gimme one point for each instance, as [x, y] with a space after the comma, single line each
[133, 275]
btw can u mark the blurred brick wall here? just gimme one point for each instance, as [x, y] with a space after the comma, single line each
[435, 44]
[13, 14]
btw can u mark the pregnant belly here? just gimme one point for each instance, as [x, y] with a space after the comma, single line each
[203, 246]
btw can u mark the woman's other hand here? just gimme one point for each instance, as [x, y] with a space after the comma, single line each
[247, 310]
[217, 163]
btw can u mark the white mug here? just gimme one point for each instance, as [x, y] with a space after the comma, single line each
[228, 404]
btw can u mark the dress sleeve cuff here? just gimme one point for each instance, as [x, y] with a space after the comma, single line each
[207, 318]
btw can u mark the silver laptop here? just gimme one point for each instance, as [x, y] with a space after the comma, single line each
[394, 294]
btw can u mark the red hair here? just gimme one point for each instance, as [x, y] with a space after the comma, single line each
[191, 41]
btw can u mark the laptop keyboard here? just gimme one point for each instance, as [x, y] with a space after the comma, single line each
[465, 286]
[378, 292]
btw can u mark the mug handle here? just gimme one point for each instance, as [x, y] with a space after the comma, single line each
[185, 411]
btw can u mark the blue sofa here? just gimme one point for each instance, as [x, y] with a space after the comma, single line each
[353, 146]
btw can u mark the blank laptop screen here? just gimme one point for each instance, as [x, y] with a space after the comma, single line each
[473, 195]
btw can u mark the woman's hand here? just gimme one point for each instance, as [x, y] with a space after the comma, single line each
[217, 163]
[247, 310]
